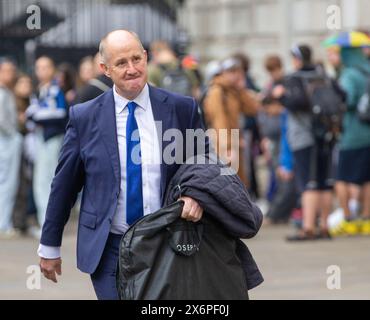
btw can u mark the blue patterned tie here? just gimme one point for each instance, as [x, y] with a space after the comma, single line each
[134, 191]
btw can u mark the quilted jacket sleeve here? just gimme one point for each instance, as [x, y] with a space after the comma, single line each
[221, 194]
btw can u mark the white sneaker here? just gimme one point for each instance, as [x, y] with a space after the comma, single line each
[10, 234]
[35, 232]
[335, 218]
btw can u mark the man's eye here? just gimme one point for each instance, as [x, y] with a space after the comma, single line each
[120, 64]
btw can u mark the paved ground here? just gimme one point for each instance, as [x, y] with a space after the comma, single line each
[291, 271]
[299, 270]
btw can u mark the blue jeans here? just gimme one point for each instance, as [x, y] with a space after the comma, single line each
[10, 160]
[46, 161]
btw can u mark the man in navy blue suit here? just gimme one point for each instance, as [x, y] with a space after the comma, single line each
[98, 156]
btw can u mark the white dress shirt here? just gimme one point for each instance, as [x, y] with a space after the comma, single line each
[150, 153]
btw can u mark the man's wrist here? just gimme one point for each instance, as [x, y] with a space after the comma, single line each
[48, 252]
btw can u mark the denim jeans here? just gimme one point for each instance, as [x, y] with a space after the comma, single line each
[46, 161]
[10, 158]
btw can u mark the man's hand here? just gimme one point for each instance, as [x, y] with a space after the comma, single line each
[191, 211]
[50, 268]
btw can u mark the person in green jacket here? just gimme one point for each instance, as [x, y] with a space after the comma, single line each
[353, 177]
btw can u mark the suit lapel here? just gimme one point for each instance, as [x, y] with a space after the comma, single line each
[105, 117]
[162, 113]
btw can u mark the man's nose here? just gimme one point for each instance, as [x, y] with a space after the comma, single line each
[131, 68]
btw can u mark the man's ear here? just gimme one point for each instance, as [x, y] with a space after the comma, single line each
[145, 55]
[105, 69]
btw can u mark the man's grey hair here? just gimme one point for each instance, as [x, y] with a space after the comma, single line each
[103, 57]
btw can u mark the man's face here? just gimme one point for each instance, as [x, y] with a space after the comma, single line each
[126, 65]
[44, 70]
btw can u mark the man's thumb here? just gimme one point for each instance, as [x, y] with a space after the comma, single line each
[59, 269]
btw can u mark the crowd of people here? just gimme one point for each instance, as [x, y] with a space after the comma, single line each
[33, 118]
[305, 126]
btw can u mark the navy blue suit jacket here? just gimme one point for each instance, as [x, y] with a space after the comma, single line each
[89, 160]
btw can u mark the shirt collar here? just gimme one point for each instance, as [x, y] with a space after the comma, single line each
[141, 100]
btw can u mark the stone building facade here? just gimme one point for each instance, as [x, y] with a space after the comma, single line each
[218, 28]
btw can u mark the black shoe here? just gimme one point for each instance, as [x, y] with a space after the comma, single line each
[323, 235]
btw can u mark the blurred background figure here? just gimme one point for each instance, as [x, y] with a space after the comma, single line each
[252, 136]
[212, 71]
[86, 71]
[366, 48]
[95, 86]
[245, 62]
[269, 122]
[226, 101]
[272, 120]
[48, 113]
[23, 91]
[10, 147]
[66, 79]
[367, 52]
[353, 177]
[191, 63]
[333, 56]
[166, 71]
[310, 142]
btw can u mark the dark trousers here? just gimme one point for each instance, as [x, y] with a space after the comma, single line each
[285, 200]
[20, 207]
[104, 277]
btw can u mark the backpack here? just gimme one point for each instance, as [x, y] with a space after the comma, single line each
[176, 80]
[326, 104]
[363, 105]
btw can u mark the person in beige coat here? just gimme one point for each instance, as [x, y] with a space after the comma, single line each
[224, 103]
